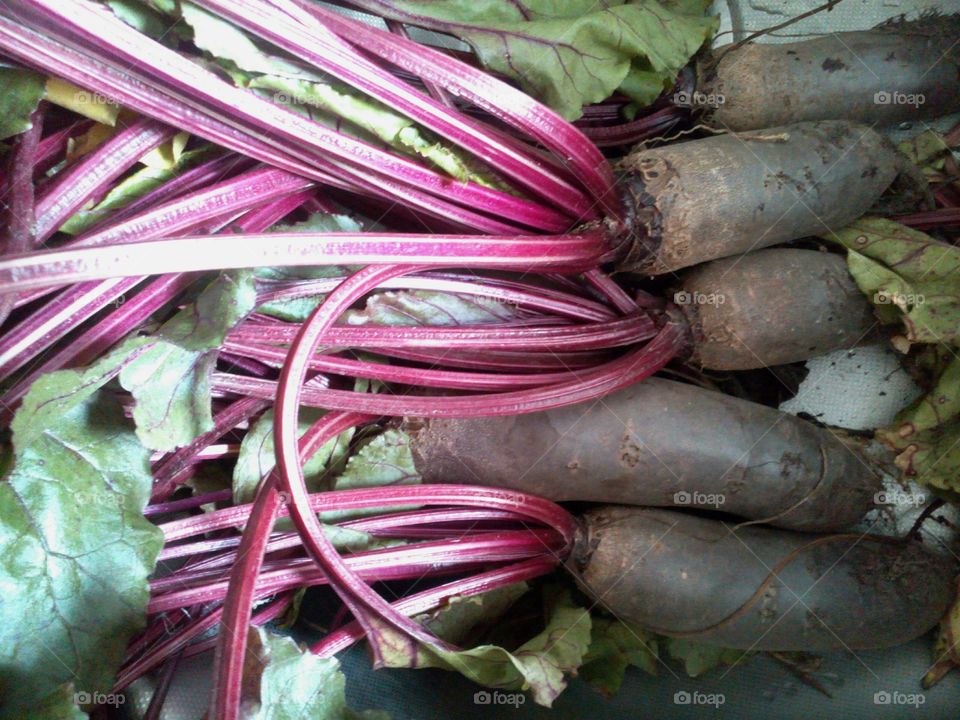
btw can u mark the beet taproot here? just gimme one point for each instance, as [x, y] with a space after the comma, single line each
[659, 443]
[759, 588]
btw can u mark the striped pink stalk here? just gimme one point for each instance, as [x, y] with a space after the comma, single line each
[91, 177]
[197, 253]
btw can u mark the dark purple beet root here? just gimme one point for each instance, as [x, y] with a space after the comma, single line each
[760, 588]
[729, 194]
[772, 307]
[899, 71]
[658, 443]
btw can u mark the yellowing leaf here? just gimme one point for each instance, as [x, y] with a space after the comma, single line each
[83, 102]
[167, 156]
[89, 141]
[908, 275]
[541, 665]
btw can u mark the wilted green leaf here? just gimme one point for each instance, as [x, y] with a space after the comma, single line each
[20, 93]
[926, 150]
[76, 548]
[223, 39]
[541, 665]
[140, 16]
[384, 460]
[908, 275]
[129, 189]
[614, 646]
[58, 705]
[166, 156]
[914, 279]
[937, 407]
[170, 380]
[429, 308]
[297, 86]
[283, 681]
[698, 658]
[88, 141]
[257, 457]
[931, 457]
[925, 434]
[573, 53]
[946, 653]
[373, 118]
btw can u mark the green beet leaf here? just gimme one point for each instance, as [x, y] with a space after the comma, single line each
[170, 380]
[697, 658]
[615, 646]
[140, 16]
[913, 280]
[283, 681]
[386, 459]
[540, 666]
[908, 275]
[257, 457]
[573, 53]
[20, 93]
[430, 308]
[168, 373]
[58, 705]
[76, 548]
[129, 189]
[299, 309]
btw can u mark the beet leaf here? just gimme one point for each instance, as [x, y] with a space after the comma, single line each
[568, 54]
[540, 665]
[74, 541]
[20, 93]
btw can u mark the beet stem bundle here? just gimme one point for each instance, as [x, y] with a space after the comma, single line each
[551, 218]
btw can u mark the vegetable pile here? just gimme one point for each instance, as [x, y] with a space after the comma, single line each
[298, 307]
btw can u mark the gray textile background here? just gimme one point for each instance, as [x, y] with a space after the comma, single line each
[854, 391]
